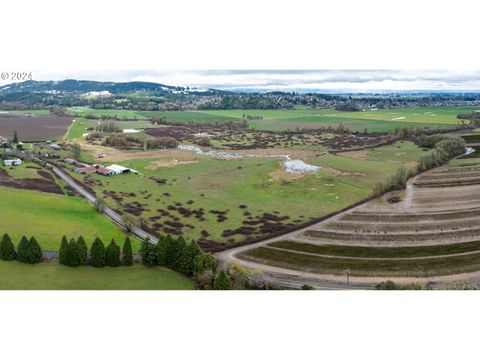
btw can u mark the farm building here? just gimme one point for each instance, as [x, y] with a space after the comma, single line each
[117, 169]
[12, 162]
[85, 170]
[105, 171]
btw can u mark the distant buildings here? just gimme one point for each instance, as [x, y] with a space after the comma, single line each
[100, 169]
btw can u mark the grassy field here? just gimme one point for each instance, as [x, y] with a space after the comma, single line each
[373, 120]
[251, 185]
[51, 276]
[50, 216]
[24, 171]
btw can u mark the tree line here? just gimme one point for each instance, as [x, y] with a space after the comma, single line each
[27, 251]
[75, 253]
[175, 253]
[444, 148]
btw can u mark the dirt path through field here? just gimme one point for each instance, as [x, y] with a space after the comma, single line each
[114, 155]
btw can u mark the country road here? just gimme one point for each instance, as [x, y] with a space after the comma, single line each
[111, 214]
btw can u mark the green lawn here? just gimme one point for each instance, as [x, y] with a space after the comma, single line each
[51, 276]
[50, 216]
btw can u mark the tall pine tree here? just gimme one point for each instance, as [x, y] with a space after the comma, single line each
[34, 251]
[127, 257]
[82, 250]
[62, 253]
[7, 250]
[71, 255]
[148, 252]
[97, 253]
[162, 245]
[22, 250]
[186, 264]
[174, 253]
[112, 254]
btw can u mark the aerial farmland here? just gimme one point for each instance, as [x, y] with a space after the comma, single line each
[315, 193]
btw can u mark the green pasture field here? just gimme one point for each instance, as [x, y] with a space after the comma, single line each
[80, 125]
[50, 216]
[84, 111]
[24, 171]
[51, 276]
[224, 185]
[373, 120]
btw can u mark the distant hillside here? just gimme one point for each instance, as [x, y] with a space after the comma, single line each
[85, 86]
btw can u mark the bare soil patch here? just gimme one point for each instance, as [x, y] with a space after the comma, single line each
[114, 155]
[47, 184]
[34, 128]
[359, 154]
[168, 163]
[285, 176]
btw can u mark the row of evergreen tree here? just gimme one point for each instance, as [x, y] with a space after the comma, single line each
[75, 253]
[27, 251]
[178, 255]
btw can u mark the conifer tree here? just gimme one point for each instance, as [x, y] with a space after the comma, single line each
[222, 282]
[34, 251]
[162, 245]
[97, 253]
[148, 252]
[62, 253]
[174, 253]
[186, 264]
[22, 250]
[7, 250]
[71, 255]
[82, 250]
[112, 254]
[127, 257]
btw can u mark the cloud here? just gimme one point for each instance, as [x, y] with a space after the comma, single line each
[291, 80]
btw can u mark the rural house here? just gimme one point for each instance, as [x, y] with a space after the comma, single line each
[12, 162]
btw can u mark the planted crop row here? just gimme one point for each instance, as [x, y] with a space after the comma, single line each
[451, 175]
[377, 252]
[467, 234]
[394, 218]
[454, 199]
[354, 267]
[413, 227]
[459, 182]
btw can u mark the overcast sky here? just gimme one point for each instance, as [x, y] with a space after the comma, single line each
[315, 80]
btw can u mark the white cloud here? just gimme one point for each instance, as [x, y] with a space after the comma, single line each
[314, 80]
